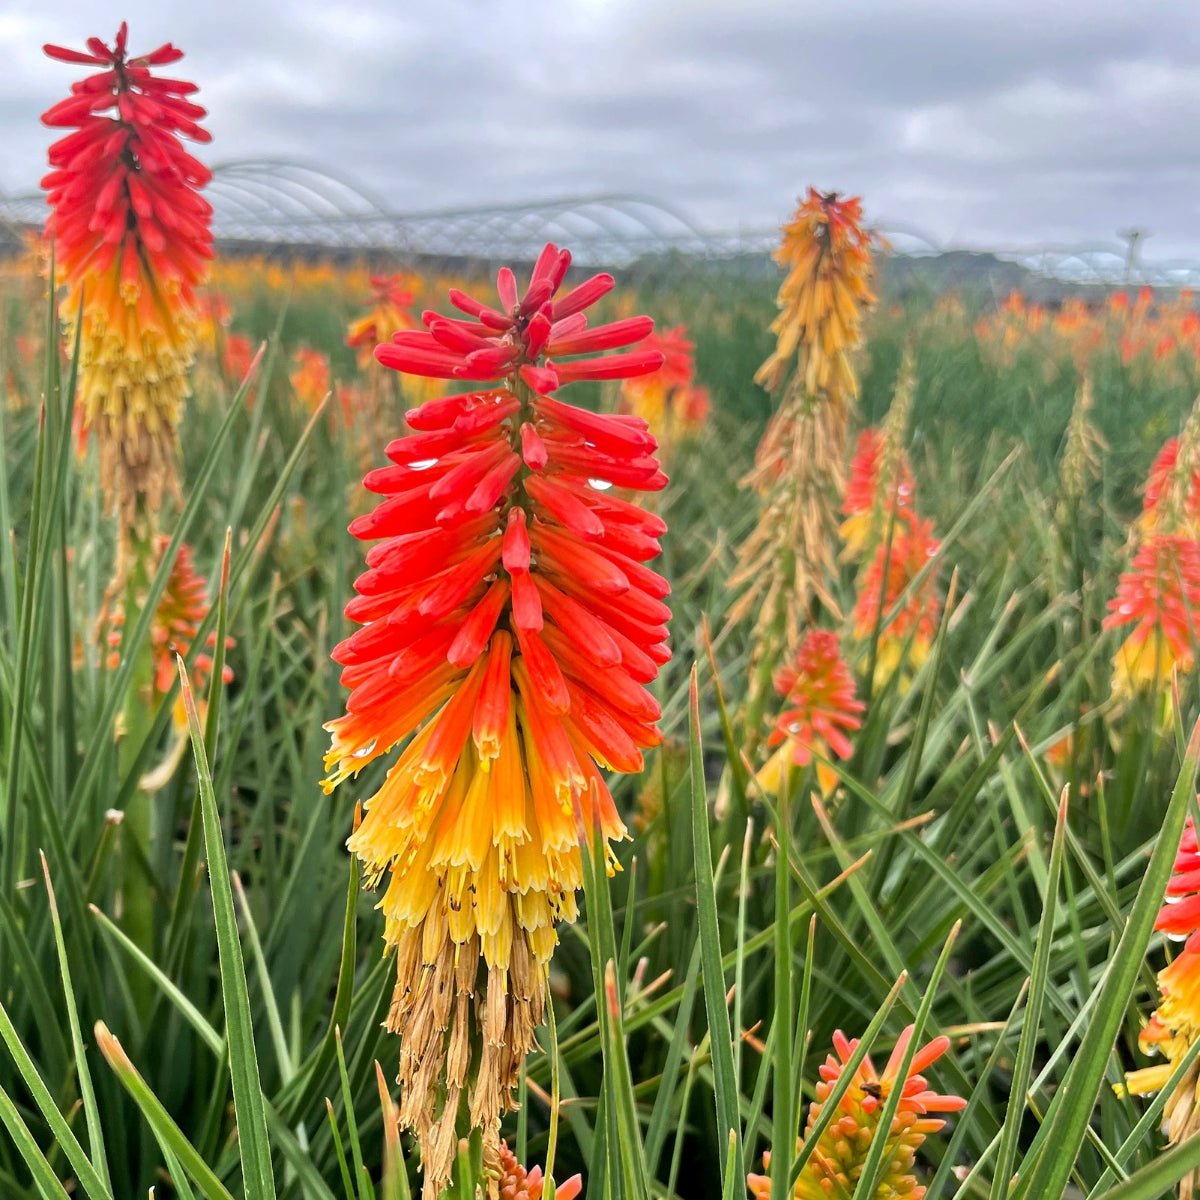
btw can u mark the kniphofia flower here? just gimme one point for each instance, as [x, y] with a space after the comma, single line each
[837, 1162]
[826, 253]
[880, 491]
[821, 710]
[132, 242]
[1175, 1024]
[509, 627]
[236, 357]
[180, 611]
[787, 565]
[905, 634]
[1158, 599]
[310, 376]
[518, 1184]
[388, 312]
[669, 401]
[1170, 501]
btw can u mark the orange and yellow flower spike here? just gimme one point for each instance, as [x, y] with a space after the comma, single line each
[388, 312]
[1158, 597]
[826, 253]
[181, 609]
[787, 565]
[906, 637]
[310, 377]
[509, 626]
[821, 710]
[881, 490]
[837, 1161]
[133, 240]
[1174, 1027]
[669, 401]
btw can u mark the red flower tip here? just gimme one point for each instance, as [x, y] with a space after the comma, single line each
[1179, 916]
[509, 340]
[122, 178]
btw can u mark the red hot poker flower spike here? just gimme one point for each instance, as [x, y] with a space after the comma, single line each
[1174, 1027]
[821, 709]
[509, 626]
[133, 240]
[842, 1149]
[1159, 596]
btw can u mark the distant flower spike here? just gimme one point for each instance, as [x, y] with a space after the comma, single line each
[388, 313]
[133, 240]
[906, 634]
[879, 493]
[821, 709]
[669, 401]
[177, 618]
[826, 253]
[310, 377]
[509, 627]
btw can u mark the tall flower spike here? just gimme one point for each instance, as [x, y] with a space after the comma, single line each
[1159, 597]
[1174, 1026]
[387, 313]
[821, 709]
[177, 619]
[133, 240]
[669, 401]
[837, 1162]
[827, 256]
[1082, 449]
[787, 564]
[509, 627]
[905, 636]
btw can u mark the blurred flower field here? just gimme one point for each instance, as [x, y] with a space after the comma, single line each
[759, 755]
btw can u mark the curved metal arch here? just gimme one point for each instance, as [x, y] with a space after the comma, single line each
[341, 194]
[287, 202]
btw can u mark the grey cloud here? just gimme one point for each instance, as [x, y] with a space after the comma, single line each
[980, 121]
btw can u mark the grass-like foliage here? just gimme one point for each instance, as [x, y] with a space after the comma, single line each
[199, 1011]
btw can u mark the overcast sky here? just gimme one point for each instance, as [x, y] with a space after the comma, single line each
[981, 122]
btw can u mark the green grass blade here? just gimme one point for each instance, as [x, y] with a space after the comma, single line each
[93, 1184]
[1156, 1178]
[1032, 1021]
[248, 1102]
[1067, 1118]
[711, 967]
[48, 1185]
[87, 1092]
[190, 1013]
[160, 1121]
